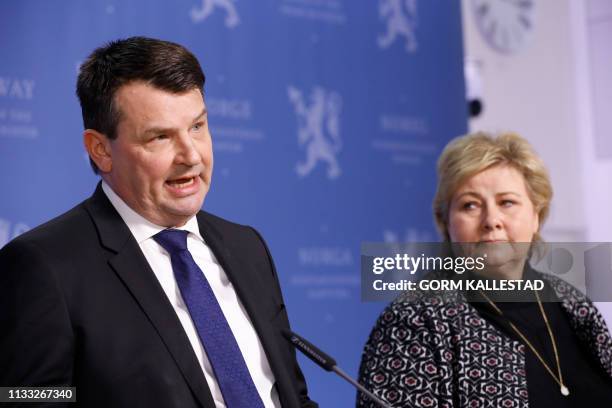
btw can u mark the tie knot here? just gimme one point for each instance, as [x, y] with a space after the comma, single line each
[173, 240]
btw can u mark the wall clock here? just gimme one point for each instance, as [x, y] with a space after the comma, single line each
[506, 25]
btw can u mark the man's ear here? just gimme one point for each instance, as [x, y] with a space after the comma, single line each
[98, 148]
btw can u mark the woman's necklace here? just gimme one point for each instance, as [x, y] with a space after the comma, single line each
[558, 378]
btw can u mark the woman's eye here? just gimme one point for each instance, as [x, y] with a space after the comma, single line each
[508, 203]
[197, 126]
[470, 205]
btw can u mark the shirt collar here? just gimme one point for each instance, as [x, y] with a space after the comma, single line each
[141, 228]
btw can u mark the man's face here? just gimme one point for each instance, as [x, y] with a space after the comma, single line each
[162, 157]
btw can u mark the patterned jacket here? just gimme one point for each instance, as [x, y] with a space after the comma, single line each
[437, 351]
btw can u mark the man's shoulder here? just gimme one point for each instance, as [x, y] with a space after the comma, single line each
[59, 241]
[219, 222]
[243, 238]
[212, 223]
[65, 226]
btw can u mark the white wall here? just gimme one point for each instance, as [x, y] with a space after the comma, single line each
[593, 34]
[557, 92]
[592, 29]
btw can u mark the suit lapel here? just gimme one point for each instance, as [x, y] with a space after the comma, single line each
[243, 277]
[255, 300]
[133, 269]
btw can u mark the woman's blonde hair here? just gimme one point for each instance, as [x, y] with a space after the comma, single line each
[468, 155]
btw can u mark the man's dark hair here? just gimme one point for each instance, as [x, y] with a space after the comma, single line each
[162, 64]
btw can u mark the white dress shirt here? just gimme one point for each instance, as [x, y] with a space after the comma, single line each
[237, 318]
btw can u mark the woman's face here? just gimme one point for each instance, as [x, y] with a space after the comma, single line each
[492, 208]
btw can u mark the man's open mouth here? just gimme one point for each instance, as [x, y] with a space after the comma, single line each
[181, 182]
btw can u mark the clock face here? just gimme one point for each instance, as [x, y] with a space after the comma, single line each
[506, 25]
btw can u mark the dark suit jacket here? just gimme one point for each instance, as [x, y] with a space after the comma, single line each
[79, 305]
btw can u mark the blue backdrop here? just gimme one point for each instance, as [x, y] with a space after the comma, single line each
[327, 117]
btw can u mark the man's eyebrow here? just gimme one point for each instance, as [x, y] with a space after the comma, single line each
[160, 130]
[157, 130]
[201, 115]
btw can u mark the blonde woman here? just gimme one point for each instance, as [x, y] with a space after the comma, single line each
[478, 350]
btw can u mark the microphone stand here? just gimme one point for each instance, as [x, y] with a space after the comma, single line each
[327, 363]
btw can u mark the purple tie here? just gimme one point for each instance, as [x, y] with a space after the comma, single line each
[217, 338]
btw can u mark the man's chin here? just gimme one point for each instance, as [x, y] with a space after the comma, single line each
[187, 212]
[179, 215]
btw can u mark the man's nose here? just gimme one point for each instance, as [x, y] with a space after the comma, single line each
[187, 153]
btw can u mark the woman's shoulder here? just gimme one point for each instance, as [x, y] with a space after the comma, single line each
[564, 290]
[420, 309]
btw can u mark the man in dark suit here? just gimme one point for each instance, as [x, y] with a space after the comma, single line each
[137, 297]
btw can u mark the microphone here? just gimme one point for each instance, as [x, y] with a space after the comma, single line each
[326, 362]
